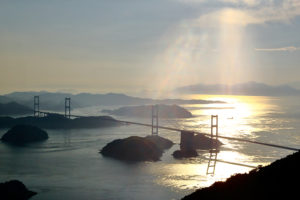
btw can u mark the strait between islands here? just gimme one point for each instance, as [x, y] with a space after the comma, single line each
[277, 180]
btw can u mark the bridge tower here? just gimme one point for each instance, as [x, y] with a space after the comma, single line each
[214, 128]
[68, 107]
[154, 119]
[36, 106]
[214, 133]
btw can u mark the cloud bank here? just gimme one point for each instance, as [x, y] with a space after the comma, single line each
[249, 88]
[290, 48]
[245, 12]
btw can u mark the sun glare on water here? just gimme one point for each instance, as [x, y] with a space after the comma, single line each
[236, 115]
[235, 112]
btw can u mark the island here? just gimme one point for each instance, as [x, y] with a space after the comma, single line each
[135, 148]
[57, 121]
[190, 142]
[161, 142]
[164, 111]
[204, 142]
[277, 180]
[15, 190]
[185, 153]
[23, 134]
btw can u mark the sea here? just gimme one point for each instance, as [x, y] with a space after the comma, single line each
[69, 166]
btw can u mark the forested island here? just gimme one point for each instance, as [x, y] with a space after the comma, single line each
[57, 121]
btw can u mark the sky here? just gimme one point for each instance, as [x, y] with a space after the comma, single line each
[146, 46]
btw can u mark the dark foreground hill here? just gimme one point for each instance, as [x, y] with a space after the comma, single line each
[164, 111]
[14, 190]
[55, 121]
[279, 180]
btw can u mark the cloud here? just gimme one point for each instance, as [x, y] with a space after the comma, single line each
[249, 88]
[290, 49]
[243, 2]
[244, 12]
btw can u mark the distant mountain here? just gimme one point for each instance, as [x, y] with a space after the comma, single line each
[249, 88]
[4, 99]
[48, 101]
[164, 111]
[295, 84]
[14, 108]
[56, 101]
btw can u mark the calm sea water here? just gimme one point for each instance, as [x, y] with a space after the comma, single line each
[69, 166]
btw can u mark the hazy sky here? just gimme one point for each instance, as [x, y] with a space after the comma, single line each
[146, 45]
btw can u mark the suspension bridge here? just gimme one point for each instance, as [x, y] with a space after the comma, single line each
[186, 135]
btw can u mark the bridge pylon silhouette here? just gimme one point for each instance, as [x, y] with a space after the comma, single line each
[38, 113]
[36, 106]
[213, 152]
[154, 120]
[68, 107]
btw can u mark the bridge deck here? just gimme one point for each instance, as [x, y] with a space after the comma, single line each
[196, 132]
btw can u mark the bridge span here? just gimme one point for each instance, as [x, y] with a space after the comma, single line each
[214, 135]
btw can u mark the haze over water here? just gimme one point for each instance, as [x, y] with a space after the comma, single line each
[69, 166]
[156, 49]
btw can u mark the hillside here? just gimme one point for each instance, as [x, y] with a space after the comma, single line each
[13, 108]
[278, 180]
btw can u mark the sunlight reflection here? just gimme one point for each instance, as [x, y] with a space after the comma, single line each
[236, 115]
[185, 176]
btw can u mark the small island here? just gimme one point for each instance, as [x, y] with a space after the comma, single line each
[190, 142]
[185, 153]
[204, 142]
[15, 190]
[23, 134]
[136, 148]
[132, 149]
[161, 142]
[164, 111]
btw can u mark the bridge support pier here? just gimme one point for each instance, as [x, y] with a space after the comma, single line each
[187, 140]
[213, 153]
[154, 120]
